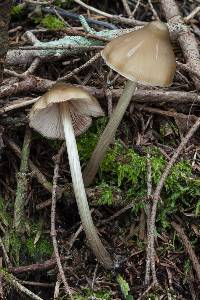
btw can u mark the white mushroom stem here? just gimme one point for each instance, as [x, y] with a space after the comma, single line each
[108, 133]
[79, 190]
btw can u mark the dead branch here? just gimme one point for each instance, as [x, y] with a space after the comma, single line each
[53, 227]
[93, 194]
[35, 171]
[22, 183]
[188, 248]
[17, 285]
[79, 69]
[148, 210]
[156, 195]
[123, 20]
[35, 84]
[166, 113]
[47, 265]
[192, 14]
[185, 37]
[127, 8]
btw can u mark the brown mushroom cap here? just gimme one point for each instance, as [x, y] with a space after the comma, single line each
[45, 114]
[145, 55]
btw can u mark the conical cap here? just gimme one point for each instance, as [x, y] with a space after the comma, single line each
[145, 55]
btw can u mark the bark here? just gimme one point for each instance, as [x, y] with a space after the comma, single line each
[185, 37]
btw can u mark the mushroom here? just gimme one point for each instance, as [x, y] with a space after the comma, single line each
[145, 56]
[61, 113]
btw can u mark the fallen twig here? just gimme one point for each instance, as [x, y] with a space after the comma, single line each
[188, 248]
[156, 195]
[35, 84]
[127, 8]
[53, 229]
[58, 49]
[148, 210]
[192, 14]
[123, 20]
[77, 70]
[185, 37]
[22, 182]
[47, 265]
[167, 113]
[35, 171]
[17, 285]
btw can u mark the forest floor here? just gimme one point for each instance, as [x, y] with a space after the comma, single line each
[156, 148]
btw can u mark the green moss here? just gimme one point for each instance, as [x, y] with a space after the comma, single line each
[5, 217]
[125, 169]
[31, 246]
[38, 246]
[106, 197]
[87, 142]
[40, 250]
[124, 286]
[13, 245]
[187, 269]
[89, 295]
[17, 10]
[52, 23]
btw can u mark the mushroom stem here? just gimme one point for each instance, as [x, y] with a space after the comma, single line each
[108, 133]
[79, 190]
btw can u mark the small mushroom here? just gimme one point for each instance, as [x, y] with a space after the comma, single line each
[61, 113]
[145, 56]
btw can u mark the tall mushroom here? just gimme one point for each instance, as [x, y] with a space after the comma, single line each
[145, 56]
[61, 113]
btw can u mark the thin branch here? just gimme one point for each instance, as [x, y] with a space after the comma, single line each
[84, 66]
[127, 8]
[121, 211]
[188, 248]
[185, 37]
[148, 211]
[2, 296]
[35, 84]
[109, 16]
[192, 14]
[38, 267]
[167, 113]
[17, 285]
[156, 195]
[22, 183]
[36, 172]
[34, 65]
[53, 229]
[5, 254]
[71, 31]
[61, 47]
[37, 284]
[57, 288]
[154, 12]
[136, 8]
[18, 104]
[186, 68]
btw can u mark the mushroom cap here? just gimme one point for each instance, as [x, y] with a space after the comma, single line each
[45, 116]
[144, 56]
